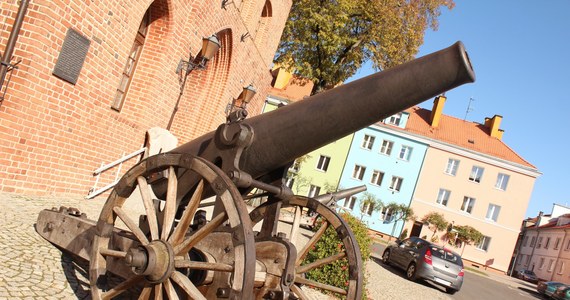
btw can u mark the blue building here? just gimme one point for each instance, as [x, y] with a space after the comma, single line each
[388, 161]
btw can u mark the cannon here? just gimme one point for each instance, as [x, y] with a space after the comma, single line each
[177, 225]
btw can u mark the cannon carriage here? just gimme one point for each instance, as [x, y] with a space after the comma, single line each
[193, 235]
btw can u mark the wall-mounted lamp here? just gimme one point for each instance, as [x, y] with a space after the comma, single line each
[210, 47]
[236, 111]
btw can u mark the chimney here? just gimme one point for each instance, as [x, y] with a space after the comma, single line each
[493, 125]
[281, 78]
[437, 110]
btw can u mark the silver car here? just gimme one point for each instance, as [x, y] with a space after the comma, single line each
[422, 259]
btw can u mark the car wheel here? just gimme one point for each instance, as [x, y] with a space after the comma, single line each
[450, 291]
[386, 257]
[411, 272]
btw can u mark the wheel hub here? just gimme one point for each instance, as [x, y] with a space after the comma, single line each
[155, 261]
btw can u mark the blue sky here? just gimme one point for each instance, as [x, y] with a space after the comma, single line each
[520, 51]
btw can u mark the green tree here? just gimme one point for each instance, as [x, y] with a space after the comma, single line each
[436, 222]
[466, 235]
[400, 212]
[369, 203]
[327, 41]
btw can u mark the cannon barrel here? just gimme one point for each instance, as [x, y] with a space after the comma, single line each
[282, 135]
[329, 198]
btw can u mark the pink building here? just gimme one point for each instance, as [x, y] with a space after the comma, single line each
[473, 178]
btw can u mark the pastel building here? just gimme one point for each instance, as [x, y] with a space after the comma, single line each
[388, 163]
[473, 178]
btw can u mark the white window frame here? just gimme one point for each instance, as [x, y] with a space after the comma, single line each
[368, 142]
[525, 241]
[349, 202]
[561, 269]
[323, 163]
[528, 257]
[541, 263]
[395, 119]
[493, 212]
[547, 243]
[476, 174]
[557, 244]
[377, 177]
[386, 215]
[533, 241]
[452, 166]
[484, 243]
[443, 197]
[367, 209]
[567, 246]
[386, 147]
[539, 242]
[358, 172]
[405, 153]
[502, 181]
[468, 204]
[314, 191]
[550, 265]
[396, 183]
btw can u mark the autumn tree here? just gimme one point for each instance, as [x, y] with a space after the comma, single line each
[327, 41]
[436, 222]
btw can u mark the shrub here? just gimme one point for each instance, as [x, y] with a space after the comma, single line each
[335, 274]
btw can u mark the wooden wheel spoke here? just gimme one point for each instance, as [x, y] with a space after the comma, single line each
[145, 294]
[149, 207]
[187, 286]
[186, 218]
[112, 253]
[170, 206]
[299, 292]
[191, 241]
[198, 265]
[296, 225]
[301, 280]
[320, 262]
[131, 225]
[158, 292]
[316, 237]
[170, 291]
[122, 287]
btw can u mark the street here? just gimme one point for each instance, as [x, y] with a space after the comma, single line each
[475, 286]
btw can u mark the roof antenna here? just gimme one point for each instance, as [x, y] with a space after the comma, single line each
[469, 108]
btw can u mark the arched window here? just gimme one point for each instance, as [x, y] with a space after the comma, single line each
[131, 64]
[262, 29]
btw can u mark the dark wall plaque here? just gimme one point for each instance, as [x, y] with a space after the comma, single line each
[72, 56]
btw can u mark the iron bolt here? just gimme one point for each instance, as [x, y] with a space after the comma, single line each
[223, 293]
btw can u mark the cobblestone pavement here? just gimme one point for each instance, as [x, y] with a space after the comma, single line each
[32, 268]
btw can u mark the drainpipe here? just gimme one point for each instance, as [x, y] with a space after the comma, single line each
[5, 62]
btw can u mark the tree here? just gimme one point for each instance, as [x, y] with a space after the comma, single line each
[466, 235]
[399, 212]
[370, 203]
[327, 41]
[436, 222]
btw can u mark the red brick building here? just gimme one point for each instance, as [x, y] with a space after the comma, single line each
[55, 132]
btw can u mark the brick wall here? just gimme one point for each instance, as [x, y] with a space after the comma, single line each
[53, 134]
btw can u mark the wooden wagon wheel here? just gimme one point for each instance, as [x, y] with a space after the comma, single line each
[173, 255]
[305, 240]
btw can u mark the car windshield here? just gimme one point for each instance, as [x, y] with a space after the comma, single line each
[445, 254]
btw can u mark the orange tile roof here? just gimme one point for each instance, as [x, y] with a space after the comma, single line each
[468, 135]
